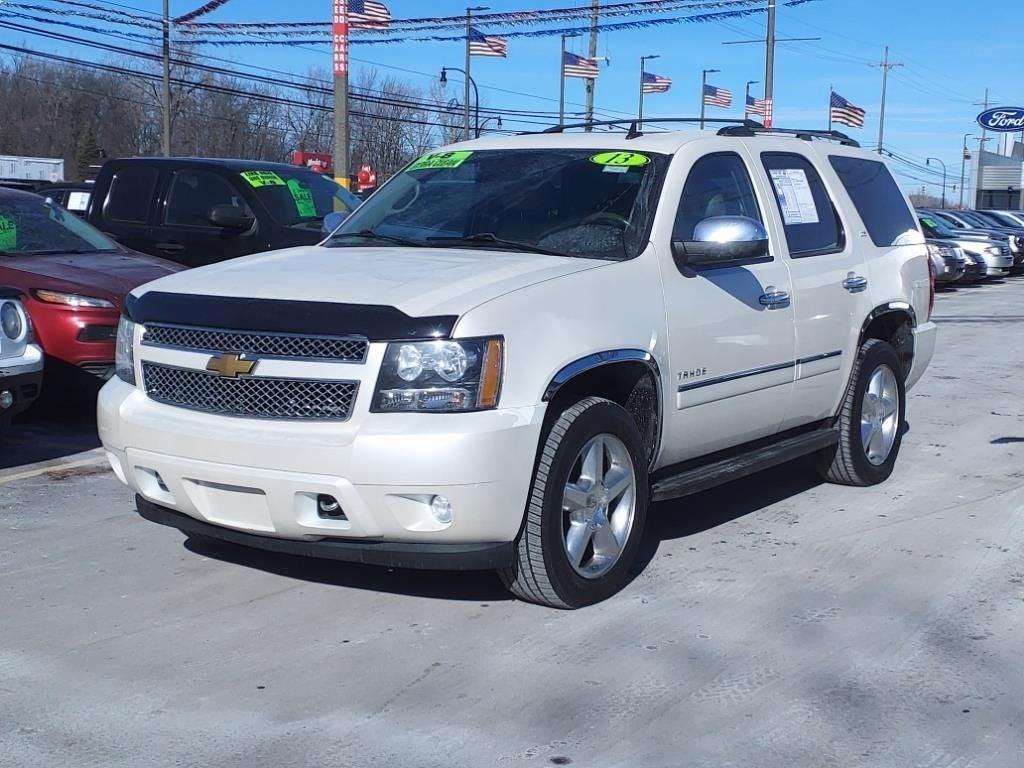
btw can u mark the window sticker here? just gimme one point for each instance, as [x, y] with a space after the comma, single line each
[303, 199]
[8, 233]
[794, 194]
[620, 159]
[930, 222]
[441, 160]
[259, 179]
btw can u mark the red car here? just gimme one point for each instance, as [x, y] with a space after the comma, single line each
[74, 279]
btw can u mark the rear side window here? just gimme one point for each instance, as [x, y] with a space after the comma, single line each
[809, 218]
[876, 197]
[131, 194]
[718, 185]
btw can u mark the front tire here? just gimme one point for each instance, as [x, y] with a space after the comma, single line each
[871, 420]
[587, 509]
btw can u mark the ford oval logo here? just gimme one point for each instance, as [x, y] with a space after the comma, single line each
[1002, 119]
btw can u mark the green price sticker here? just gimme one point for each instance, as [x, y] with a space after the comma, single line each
[621, 159]
[440, 160]
[259, 179]
[8, 233]
[303, 199]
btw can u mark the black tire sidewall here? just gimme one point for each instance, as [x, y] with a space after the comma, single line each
[873, 356]
[576, 591]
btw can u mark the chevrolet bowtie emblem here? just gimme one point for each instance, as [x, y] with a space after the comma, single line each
[230, 366]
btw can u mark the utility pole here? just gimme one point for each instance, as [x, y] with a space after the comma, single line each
[166, 137]
[339, 30]
[981, 149]
[769, 67]
[591, 82]
[886, 66]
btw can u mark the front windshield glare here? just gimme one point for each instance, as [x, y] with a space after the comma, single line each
[30, 224]
[589, 203]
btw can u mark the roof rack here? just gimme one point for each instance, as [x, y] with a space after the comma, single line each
[800, 133]
[634, 132]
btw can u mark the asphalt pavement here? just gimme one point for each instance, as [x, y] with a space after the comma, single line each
[777, 622]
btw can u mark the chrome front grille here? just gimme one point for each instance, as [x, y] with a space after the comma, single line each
[345, 349]
[254, 397]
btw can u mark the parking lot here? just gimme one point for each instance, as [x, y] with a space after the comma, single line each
[777, 622]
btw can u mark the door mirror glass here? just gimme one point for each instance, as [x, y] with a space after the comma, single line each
[333, 220]
[230, 217]
[720, 240]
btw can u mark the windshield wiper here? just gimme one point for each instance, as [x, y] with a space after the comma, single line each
[370, 234]
[490, 238]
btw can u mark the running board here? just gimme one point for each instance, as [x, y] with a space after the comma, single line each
[701, 478]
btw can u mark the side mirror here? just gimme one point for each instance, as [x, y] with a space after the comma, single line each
[333, 220]
[721, 241]
[230, 217]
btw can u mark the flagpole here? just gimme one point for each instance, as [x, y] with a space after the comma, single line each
[703, 85]
[640, 111]
[561, 85]
[830, 108]
[465, 106]
[746, 98]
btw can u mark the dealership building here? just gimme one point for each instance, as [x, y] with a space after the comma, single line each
[997, 176]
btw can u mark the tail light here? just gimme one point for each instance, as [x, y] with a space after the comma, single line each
[931, 287]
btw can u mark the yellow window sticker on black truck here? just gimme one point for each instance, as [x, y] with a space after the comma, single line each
[262, 179]
[441, 160]
[8, 233]
[620, 159]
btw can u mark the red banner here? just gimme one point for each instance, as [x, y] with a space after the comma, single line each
[339, 33]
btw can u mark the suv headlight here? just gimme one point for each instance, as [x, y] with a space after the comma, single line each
[13, 321]
[440, 376]
[124, 356]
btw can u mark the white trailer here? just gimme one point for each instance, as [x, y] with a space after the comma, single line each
[46, 169]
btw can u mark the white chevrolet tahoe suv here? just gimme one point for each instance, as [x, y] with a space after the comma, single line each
[519, 343]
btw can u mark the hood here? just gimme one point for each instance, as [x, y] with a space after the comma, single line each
[107, 275]
[418, 281]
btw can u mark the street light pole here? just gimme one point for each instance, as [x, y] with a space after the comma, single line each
[476, 94]
[928, 161]
[963, 167]
[640, 110]
[703, 84]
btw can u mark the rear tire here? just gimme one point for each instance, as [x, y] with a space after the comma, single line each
[870, 424]
[586, 511]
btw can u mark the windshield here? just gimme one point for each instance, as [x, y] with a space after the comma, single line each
[573, 202]
[297, 196]
[975, 219]
[934, 227]
[33, 225]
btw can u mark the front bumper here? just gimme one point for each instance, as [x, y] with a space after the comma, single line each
[262, 478]
[22, 377]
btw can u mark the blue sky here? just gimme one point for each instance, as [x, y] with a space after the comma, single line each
[949, 56]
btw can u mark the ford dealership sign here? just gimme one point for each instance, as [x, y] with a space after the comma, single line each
[1002, 119]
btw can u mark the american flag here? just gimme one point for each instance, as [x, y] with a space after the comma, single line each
[717, 97]
[482, 45]
[756, 106]
[579, 66]
[844, 112]
[653, 83]
[368, 14]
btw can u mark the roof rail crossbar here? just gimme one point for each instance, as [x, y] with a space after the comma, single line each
[807, 134]
[632, 123]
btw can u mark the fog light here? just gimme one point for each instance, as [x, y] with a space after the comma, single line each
[442, 509]
[6, 399]
[329, 508]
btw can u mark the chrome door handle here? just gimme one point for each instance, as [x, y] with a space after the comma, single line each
[855, 283]
[773, 298]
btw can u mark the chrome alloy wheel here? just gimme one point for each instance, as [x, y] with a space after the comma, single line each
[599, 505]
[880, 415]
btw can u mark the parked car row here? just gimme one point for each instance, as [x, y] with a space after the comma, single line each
[969, 246]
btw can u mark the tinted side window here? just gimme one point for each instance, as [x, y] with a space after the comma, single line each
[876, 198]
[718, 185]
[808, 215]
[194, 194]
[131, 194]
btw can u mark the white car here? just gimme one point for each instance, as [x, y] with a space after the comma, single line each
[518, 343]
[21, 359]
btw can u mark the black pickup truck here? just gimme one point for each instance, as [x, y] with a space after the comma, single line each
[198, 211]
